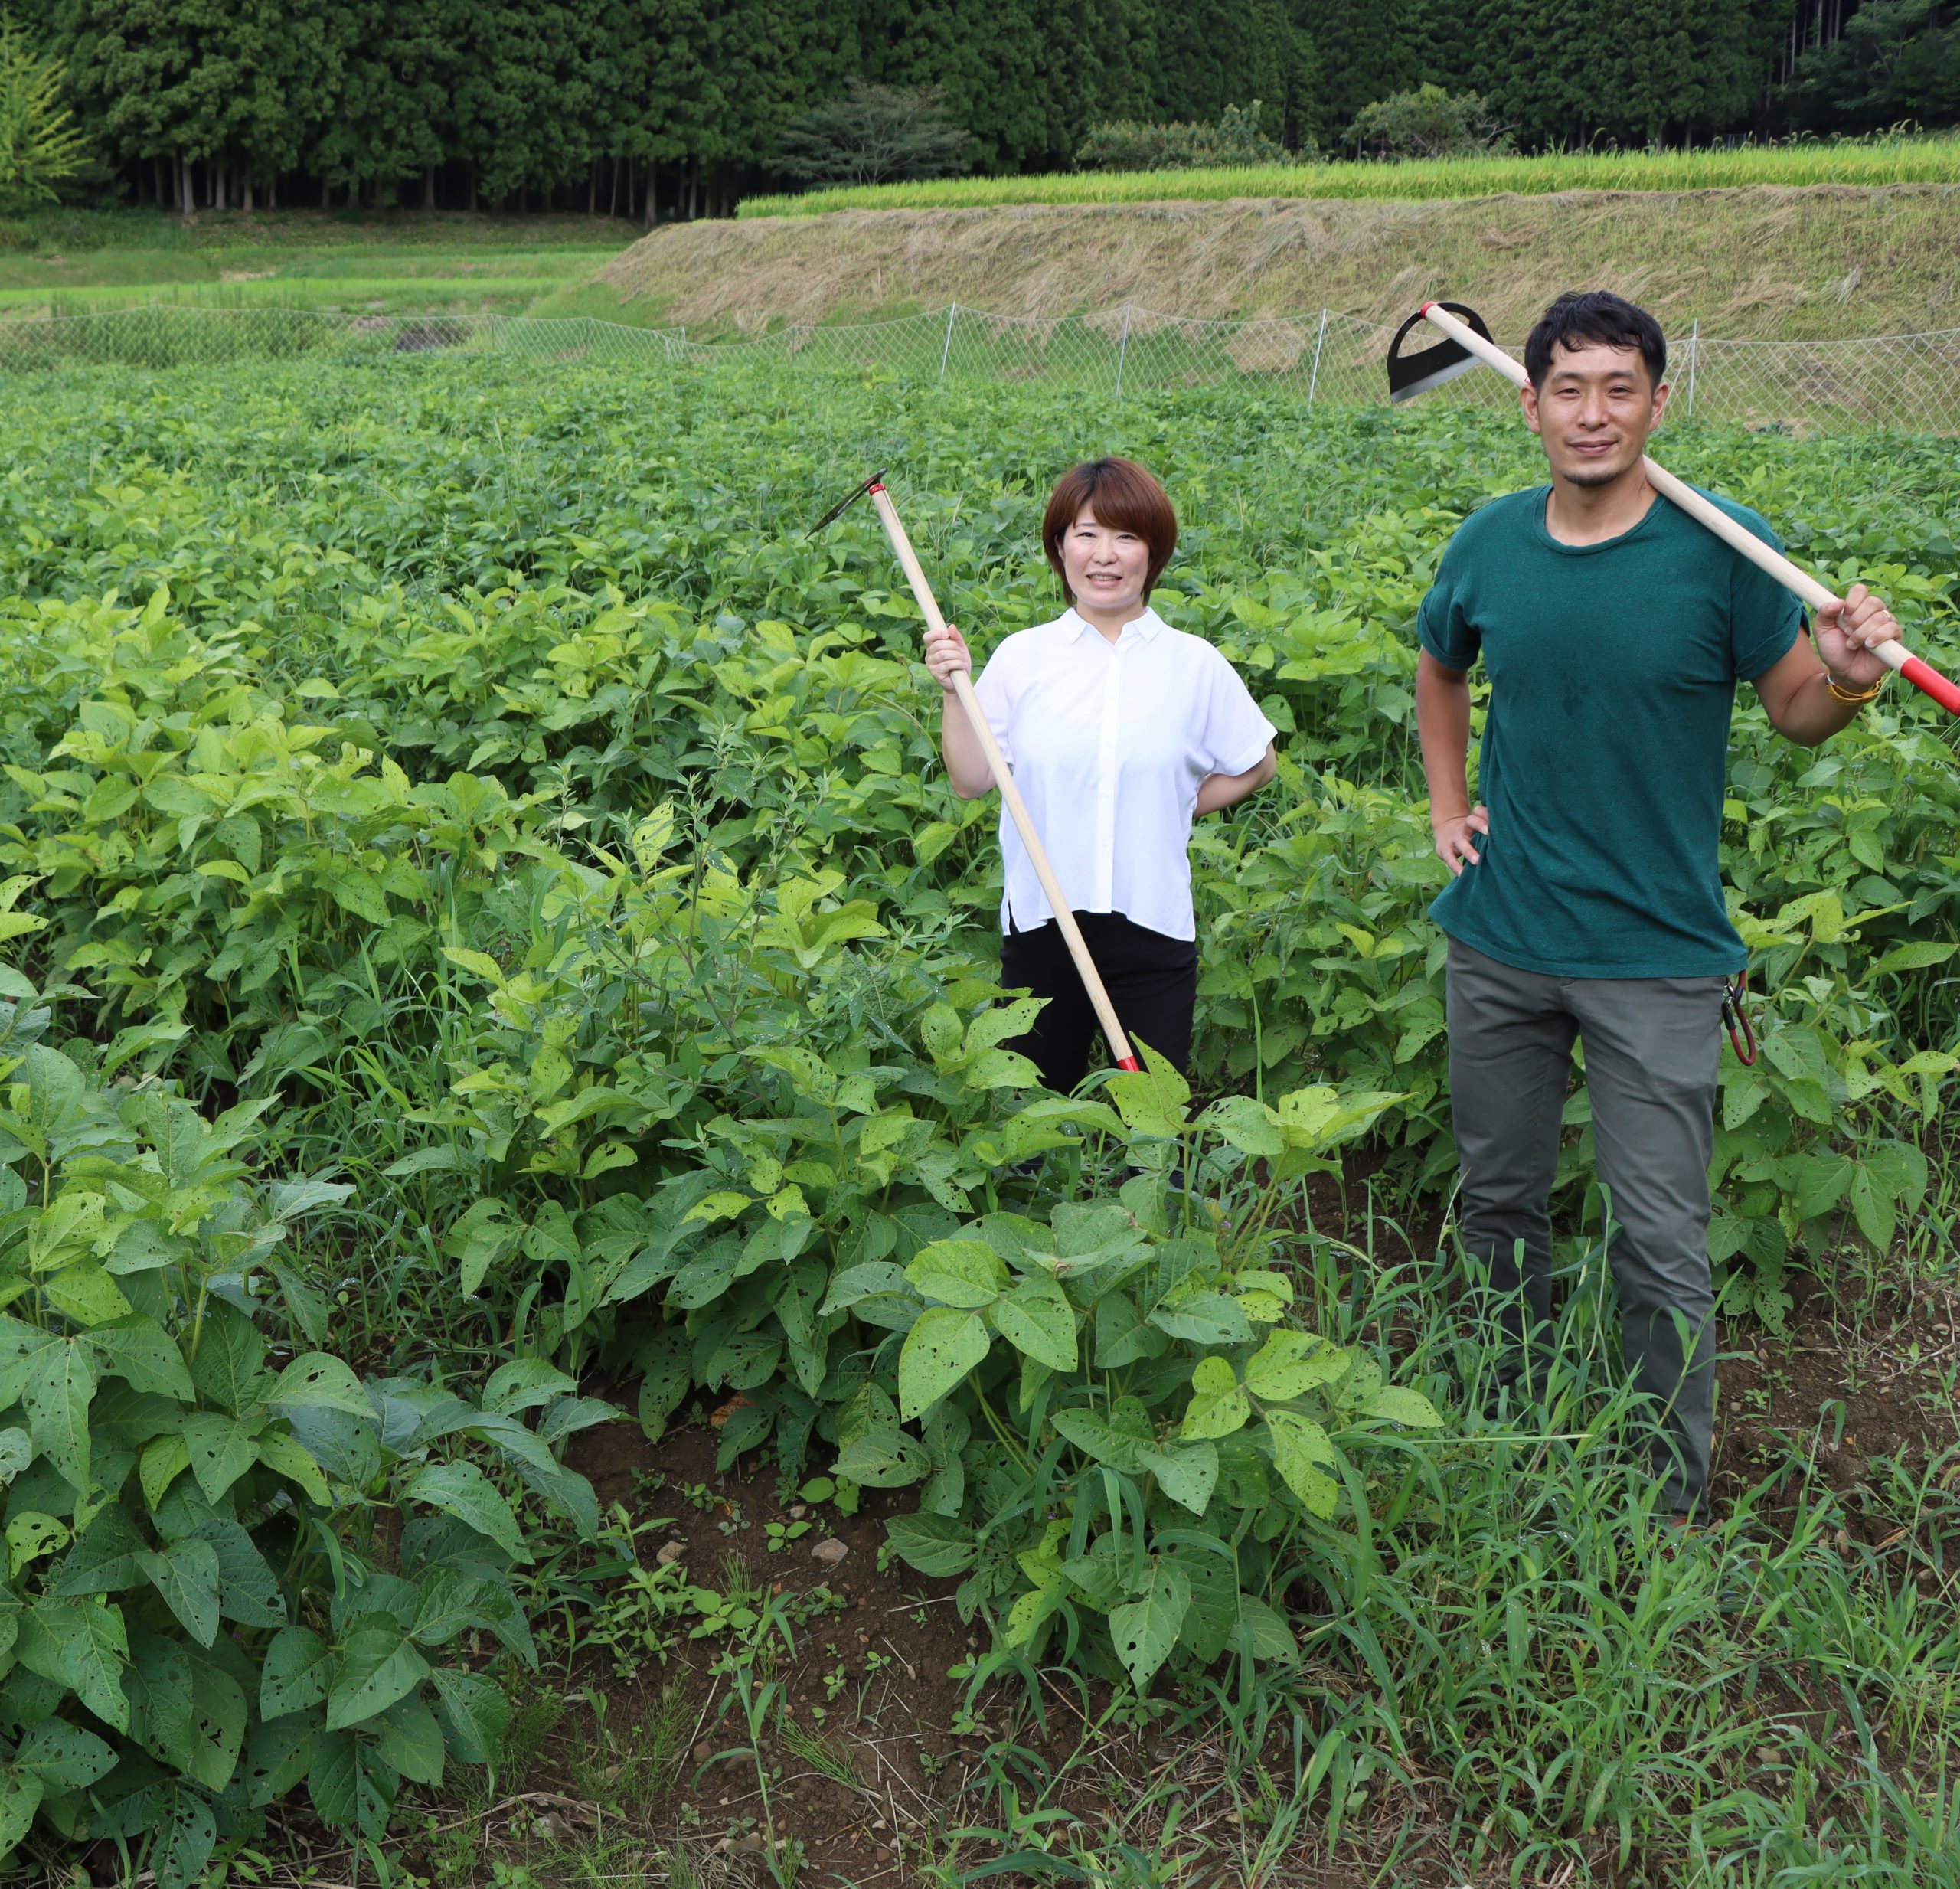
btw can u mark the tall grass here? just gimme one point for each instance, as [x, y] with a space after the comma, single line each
[1887, 161]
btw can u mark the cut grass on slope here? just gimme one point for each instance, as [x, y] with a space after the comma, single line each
[1885, 161]
[1826, 262]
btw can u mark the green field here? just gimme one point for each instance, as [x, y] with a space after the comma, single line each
[400, 262]
[1928, 160]
[508, 1145]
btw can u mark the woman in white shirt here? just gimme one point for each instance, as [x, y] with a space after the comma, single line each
[1120, 730]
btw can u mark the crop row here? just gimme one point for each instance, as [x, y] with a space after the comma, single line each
[479, 808]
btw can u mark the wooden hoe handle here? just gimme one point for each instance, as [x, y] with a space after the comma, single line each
[1893, 653]
[963, 684]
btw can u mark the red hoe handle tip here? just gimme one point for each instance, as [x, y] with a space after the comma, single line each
[1925, 678]
[1131, 1064]
[1427, 306]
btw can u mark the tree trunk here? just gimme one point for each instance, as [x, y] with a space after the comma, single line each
[429, 188]
[652, 198]
[186, 189]
[245, 191]
[694, 187]
[156, 178]
[612, 202]
[271, 192]
[592, 190]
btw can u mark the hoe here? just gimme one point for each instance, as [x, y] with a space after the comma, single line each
[1468, 341]
[874, 489]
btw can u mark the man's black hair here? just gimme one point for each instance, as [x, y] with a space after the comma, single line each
[1601, 319]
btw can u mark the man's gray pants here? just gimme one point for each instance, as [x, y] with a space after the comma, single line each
[1653, 1047]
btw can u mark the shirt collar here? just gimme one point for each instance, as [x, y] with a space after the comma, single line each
[1145, 628]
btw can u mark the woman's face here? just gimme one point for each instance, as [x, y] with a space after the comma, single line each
[1104, 568]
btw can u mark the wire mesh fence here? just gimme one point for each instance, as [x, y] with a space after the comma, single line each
[1909, 382]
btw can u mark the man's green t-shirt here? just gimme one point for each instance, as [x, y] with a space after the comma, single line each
[1604, 763]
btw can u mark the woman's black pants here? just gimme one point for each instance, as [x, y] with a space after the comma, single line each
[1152, 980]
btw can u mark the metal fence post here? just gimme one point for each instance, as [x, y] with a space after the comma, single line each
[1319, 341]
[946, 353]
[1123, 351]
[1693, 361]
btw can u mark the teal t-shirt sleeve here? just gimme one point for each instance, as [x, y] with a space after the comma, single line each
[1441, 625]
[1764, 619]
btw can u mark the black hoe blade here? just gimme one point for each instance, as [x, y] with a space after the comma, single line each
[844, 504]
[1411, 375]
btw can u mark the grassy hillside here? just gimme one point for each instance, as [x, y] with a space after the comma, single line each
[1818, 262]
[1870, 163]
[396, 261]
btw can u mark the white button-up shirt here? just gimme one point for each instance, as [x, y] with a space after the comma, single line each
[1108, 742]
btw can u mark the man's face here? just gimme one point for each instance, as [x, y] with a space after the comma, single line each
[1595, 411]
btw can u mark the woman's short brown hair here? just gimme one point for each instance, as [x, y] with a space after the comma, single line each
[1123, 496]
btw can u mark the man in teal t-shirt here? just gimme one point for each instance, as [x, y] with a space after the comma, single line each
[1587, 899]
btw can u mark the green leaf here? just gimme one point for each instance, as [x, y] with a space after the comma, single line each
[318, 1381]
[966, 1273]
[1289, 1364]
[279, 1453]
[1153, 1100]
[1247, 1124]
[185, 1574]
[221, 1450]
[1298, 1446]
[1037, 1318]
[64, 1757]
[411, 1741]
[378, 1666]
[30, 1535]
[1123, 1448]
[297, 1664]
[21, 1793]
[218, 1716]
[473, 1712]
[1219, 1404]
[940, 1349]
[58, 1386]
[227, 1366]
[1186, 1472]
[185, 1841]
[884, 1458]
[1919, 955]
[248, 1590]
[1205, 1318]
[82, 1644]
[140, 1351]
[937, 1545]
[462, 1490]
[1144, 1631]
[1269, 1635]
[485, 1236]
[1409, 1408]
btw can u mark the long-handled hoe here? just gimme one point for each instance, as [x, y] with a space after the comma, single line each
[1469, 342]
[874, 487]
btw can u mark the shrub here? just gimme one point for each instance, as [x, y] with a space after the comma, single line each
[1428, 122]
[195, 1617]
[1234, 142]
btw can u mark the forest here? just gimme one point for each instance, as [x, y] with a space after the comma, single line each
[659, 109]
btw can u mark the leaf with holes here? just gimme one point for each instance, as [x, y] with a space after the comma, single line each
[473, 1712]
[378, 1666]
[1146, 1630]
[462, 1490]
[185, 1574]
[82, 1644]
[940, 1349]
[221, 1450]
[298, 1665]
[1037, 1320]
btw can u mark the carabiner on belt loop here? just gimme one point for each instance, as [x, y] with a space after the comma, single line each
[1742, 1038]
